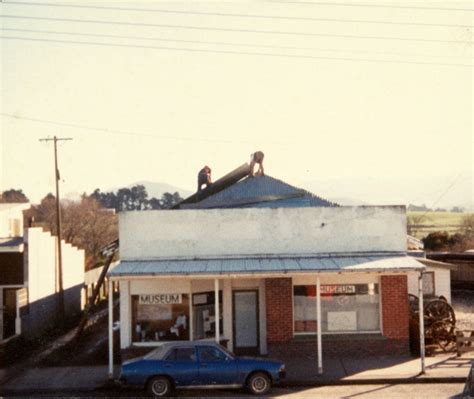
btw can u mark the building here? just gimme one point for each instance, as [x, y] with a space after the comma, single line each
[28, 276]
[282, 280]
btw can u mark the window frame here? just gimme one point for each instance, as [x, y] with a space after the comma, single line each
[342, 282]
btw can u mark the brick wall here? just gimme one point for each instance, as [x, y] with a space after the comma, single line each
[395, 311]
[279, 304]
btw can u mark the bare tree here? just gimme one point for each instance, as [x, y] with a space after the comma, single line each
[85, 224]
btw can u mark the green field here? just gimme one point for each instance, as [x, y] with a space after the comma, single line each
[423, 223]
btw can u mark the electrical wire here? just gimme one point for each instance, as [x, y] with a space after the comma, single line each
[233, 15]
[337, 4]
[234, 30]
[128, 133]
[228, 43]
[232, 52]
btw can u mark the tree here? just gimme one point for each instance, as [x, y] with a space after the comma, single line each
[135, 199]
[13, 195]
[436, 241]
[467, 225]
[85, 224]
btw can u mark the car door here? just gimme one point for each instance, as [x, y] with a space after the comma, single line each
[216, 367]
[182, 366]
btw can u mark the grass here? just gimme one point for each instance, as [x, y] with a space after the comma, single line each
[429, 222]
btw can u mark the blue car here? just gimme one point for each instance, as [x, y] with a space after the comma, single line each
[200, 364]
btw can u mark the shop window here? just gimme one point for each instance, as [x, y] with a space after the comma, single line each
[160, 317]
[428, 284]
[344, 308]
[204, 320]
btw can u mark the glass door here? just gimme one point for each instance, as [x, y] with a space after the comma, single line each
[245, 311]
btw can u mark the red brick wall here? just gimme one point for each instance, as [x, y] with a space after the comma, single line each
[279, 303]
[395, 312]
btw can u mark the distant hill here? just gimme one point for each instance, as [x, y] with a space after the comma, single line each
[155, 189]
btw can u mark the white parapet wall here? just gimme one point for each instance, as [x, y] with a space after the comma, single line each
[256, 231]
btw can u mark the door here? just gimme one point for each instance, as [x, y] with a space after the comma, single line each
[181, 363]
[9, 312]
[245, 322]
[216, 367]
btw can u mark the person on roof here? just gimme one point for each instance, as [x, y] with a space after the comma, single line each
[204, 177]
[256, 158]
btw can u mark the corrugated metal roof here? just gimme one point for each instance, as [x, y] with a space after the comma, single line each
[11, 241]
[262, 191]
[264, 265]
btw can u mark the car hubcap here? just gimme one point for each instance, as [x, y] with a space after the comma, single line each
[259, 384]
[159, 387]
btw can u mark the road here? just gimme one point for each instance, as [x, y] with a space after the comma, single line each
[431, 391]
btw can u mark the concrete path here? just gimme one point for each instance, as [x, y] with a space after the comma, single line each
[385, 368]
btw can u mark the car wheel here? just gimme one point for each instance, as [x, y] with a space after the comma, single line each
[159, 387]
[259, 383]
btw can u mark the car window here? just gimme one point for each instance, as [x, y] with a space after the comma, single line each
[210, 354]
[157, 353]
[182, 355]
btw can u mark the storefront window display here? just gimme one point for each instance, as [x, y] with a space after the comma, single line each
[344, 308]
[204, 315]
[160, 317]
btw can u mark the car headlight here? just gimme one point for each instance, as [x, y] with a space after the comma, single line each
[282, 368]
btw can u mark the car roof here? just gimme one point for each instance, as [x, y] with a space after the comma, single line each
[189, 343]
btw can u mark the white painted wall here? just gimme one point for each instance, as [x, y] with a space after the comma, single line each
[11, 219]
[442, 282]
[255, 231]
[41, 264]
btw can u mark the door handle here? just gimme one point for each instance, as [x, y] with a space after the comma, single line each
[204, 365]
[168, 365]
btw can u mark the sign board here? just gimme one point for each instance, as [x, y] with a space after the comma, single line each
[338, 289]
[342, 321]
[160, 299]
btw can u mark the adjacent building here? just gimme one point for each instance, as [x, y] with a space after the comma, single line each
[29, 278]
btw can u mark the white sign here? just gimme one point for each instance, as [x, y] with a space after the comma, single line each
[338, 289]
[342, 321]
[160, 299]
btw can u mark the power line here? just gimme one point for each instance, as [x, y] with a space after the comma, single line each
[232, 52]
[127, 133]
[233, 15]
[227, 43]
[235, 30]
[321, 3]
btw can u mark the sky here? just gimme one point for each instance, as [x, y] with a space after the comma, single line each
[352, 91]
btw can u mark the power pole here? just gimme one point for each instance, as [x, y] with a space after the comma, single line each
[62, 311]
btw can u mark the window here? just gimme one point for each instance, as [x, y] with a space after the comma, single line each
[344, 308]
[210, 354]
[182, 355]
[428, 284]
[204, 315]
[160, 317]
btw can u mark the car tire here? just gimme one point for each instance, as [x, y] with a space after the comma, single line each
[259, 383]
[159, 387]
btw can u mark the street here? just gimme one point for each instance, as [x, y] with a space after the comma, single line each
[432, 391]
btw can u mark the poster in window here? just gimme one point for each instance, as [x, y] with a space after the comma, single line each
[154, 312]
[342, 321]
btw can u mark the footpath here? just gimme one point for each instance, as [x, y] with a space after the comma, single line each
[300, 372]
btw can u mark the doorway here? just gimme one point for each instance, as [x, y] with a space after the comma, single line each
[245, 322]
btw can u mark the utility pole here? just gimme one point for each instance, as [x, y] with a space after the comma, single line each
[62, 311]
